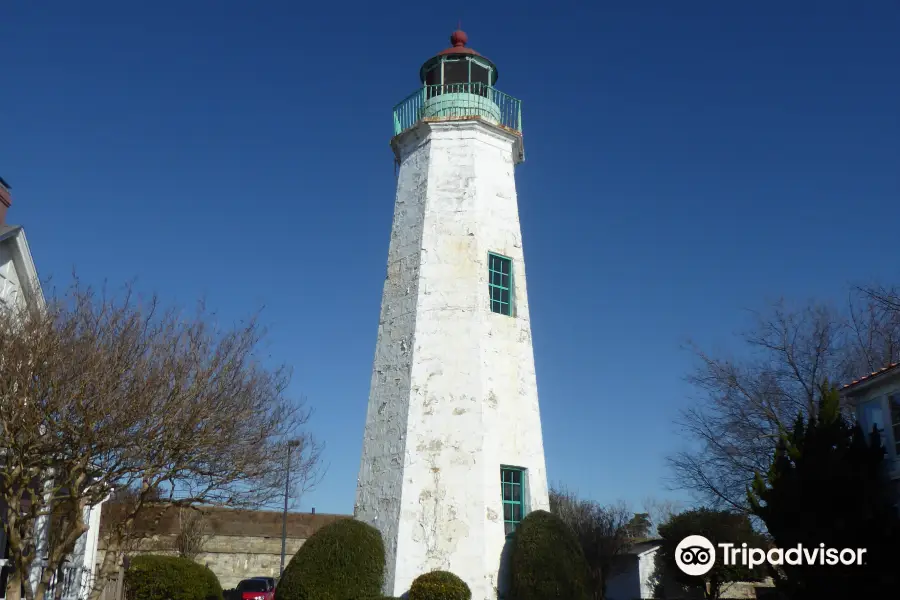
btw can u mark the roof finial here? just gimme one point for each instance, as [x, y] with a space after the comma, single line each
[458, 38]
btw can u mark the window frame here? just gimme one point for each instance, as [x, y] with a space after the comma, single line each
[891, 422]
[882, 404]
[522, 503]
[491, 285]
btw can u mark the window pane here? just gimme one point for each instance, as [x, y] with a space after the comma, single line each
[871, 415]
[516, 476]
[517, 492]
[509, 528]
[456, 71]
[895, 409]
[433, 76]
[499, 284]
[480, 74]
[507, 512]
[507, 491]
[517, 512]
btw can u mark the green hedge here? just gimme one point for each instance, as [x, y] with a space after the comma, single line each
[439, 585]
[341, 561]
[155, 577]
[547, 562]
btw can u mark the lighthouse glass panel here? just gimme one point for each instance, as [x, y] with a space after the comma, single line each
[433, 81]
[456, 75]
[500, 284]
[433, 75]
[512, 482]
[480, 78]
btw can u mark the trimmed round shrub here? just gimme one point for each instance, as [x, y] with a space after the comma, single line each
[156, 577]
[547, 561]
[213, 587]
[439, 585]
[342, 560]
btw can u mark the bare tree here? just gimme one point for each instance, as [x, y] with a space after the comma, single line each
[192, 532]
[100, 393]
[745, 403]
[602, 531]
[660, 511]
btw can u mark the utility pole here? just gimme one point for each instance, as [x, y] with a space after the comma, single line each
[287, 485]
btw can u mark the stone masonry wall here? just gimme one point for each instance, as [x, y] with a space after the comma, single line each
[454, 393]
[231, 558]
[239, 543]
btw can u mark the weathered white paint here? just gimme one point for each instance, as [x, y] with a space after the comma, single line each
[10, 288]
[85, 556]
[92, 537]
[19, 284]
[453, 394]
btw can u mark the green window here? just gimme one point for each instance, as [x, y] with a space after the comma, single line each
[512, 482]
[500, 284]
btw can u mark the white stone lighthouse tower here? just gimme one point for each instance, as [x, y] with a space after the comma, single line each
[452, 455]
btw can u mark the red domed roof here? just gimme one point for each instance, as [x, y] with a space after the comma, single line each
[458, 41]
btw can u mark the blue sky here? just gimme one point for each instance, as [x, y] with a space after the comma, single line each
[685, 161]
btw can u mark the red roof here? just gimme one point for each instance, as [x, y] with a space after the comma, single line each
[871, 376]
[458, 41]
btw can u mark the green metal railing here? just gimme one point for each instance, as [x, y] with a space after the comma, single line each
[458, 100]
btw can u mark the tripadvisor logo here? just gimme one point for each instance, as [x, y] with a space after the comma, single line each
[695, 555]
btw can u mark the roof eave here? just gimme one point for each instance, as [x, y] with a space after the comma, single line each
[865, 384]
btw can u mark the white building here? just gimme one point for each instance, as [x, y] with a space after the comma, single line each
[633, 577]
[876, 400]
[453, 455]
[19, 285]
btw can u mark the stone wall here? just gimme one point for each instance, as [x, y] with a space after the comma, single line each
[238, 543]
[453, 395]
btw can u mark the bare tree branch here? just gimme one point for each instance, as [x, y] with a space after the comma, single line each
[192, 532]
[99, 394]
[746, 403]
[660, 511]
[602, 531]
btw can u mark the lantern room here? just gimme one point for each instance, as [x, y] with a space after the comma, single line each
[459, 84]
[458, 69]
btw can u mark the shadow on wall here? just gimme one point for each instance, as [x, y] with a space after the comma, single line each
[503, 571]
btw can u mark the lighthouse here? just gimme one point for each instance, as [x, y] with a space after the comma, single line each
[453, 456]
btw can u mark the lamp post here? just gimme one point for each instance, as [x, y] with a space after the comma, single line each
[287, 484]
